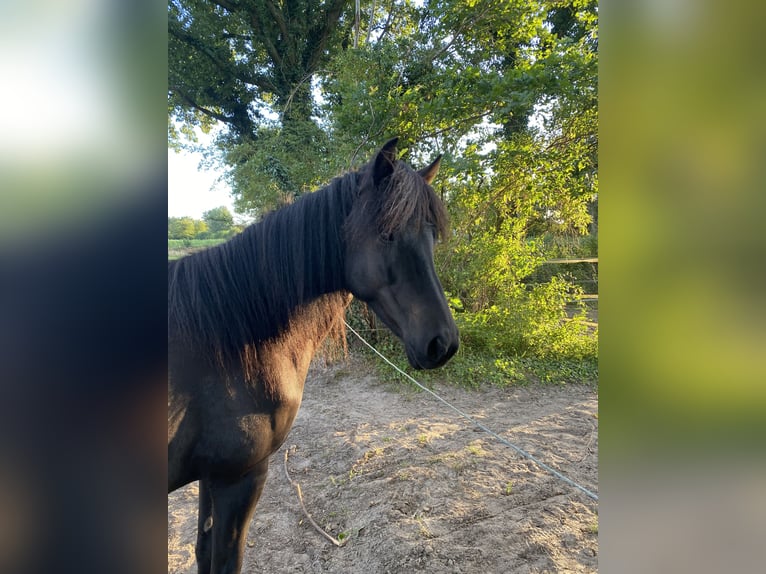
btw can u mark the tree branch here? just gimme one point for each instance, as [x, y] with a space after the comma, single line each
[260, 80]
[260, 30]
[322, 35]
[459, 32]
[458, 122]
[189, 101]
[278, 18]
[232, 7]
[372, 19]
[183, 36]
[257, 27]
[263, 82]
[389, 21]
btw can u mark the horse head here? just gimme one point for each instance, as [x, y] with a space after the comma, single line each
[390, 236]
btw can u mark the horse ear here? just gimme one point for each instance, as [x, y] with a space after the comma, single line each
[384, 161]
[429, 173]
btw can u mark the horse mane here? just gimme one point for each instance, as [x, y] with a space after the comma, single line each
[288, 269]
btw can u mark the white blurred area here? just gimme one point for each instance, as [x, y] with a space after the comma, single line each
[55, 100]
[74, 106]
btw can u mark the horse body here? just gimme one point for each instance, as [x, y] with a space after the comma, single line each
[245, 319]
[256, 411]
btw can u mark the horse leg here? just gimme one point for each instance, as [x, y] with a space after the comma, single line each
[233, 506]
[204, 528]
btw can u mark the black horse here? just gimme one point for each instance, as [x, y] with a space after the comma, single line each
[246, 317]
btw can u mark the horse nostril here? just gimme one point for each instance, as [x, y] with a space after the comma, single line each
[436, 348]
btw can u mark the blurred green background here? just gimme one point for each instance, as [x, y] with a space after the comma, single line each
[683, 316]
[683, 160]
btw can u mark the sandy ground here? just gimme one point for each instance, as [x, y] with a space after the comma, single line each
[412, 487]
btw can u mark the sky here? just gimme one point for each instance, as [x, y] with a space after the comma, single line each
[191, 190]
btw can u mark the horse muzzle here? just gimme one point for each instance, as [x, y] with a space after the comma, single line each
[437, 352]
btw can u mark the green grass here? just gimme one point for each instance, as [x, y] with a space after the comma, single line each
[192, 243]
[475, 449]
[472, 369]
[177, 248]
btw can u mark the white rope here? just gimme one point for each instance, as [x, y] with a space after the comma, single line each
[522, 452]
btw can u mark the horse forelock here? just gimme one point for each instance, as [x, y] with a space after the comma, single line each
[409, 200]
[404, 201]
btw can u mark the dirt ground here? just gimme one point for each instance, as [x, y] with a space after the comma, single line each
[412, 487]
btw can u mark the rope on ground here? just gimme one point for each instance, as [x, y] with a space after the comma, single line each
[507, 443]
[303, 506]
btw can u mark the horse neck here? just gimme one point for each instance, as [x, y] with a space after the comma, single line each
[296, 255]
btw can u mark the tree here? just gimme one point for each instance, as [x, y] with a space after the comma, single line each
[506, 90]
[182, 228]
[243, 62]
[186, 228]
[219, 220]
[200, 229]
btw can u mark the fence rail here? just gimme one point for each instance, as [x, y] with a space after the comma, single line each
[583, 260]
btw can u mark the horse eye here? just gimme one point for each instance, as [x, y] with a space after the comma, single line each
[387, 237]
